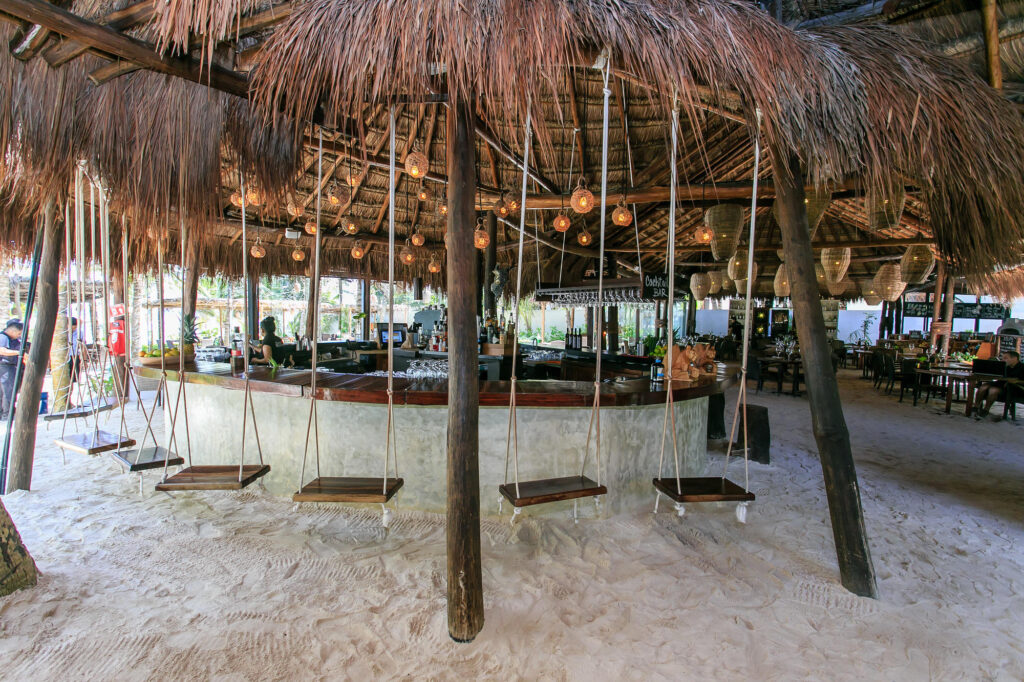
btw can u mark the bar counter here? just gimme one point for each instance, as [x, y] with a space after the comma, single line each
[553, 417]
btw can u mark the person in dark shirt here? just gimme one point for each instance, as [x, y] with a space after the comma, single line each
[266, 351]
[10, 344]
[991, 391]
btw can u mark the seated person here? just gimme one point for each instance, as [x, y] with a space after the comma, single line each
[268, 350]
[991, 391]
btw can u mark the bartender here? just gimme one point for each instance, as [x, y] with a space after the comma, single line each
[268, 350]
[10, 346]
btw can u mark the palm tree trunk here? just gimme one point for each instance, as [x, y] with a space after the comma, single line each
[17, 569]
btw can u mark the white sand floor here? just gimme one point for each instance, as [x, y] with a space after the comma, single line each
[238, 586]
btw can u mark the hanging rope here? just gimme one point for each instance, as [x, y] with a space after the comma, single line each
[568, 188]
[741, 398]
[595, 414]
[247, 396]
[390, 444]
[313, 423]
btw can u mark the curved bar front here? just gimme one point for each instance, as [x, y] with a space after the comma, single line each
[553, 418]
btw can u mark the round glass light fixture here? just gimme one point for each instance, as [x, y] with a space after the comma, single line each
[481, 239]
[562, 222]
[424, 193]
[358, 250]
[350, 224]
[417, 238]
[258, 250]
[294, 209]
[442, 208]
[417, 164]
[433, 266]
[406, 256]
[500, 208]
[310, 227]
[582, 200]
[584, 238]
[298, 254]
[622, 216]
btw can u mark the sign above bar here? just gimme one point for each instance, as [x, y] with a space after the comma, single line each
[968, 311]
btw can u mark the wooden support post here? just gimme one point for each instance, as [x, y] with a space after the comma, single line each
[830, 432]
[465, 578]
[613, 311]
[252, 319]
[310, 301]
[940, 279]
[590, 327]
[191, 276]
[23, 444]
[882, 321]
[947, 310]
[990, 23]
[691, 316]
[490, 258]
[364, 291]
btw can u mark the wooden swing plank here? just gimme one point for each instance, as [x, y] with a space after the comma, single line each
[213, 477]
[149, 458]
[551, 490]
[706, 489]
[93, 443]
[80, 411]
[348, 489]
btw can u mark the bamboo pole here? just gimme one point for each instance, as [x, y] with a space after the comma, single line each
[940, 278]
[830, 432]
[990, 21]
[465, 579]
[947, 311]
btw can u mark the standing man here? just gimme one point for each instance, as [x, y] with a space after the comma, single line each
[10, 344]
[76, 339]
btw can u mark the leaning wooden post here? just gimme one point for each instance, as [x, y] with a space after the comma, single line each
[23, 444]
[465, 578]
[947, 310]
[940, 279]
[191, 275]
[830, 432]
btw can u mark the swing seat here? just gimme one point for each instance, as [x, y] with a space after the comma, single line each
[81, 411]
[147, 459]
[551, 490]
[93, 443]
[213, 477]
[348, 489]
[707, 489]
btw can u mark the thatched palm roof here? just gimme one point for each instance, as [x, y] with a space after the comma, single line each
[864, 107]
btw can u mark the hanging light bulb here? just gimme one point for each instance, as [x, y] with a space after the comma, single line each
[584, 237]
[562, 222]
[236, 199]
[500, 207]
[511, 203]
[310, 227]
[480, 237]
[258, 250]
[433, 266]
[252, 197]
[406, 255]
[622, 216]
[417, 238]
[442, 208]
[424, 193]
[337, 195]
[294, 209]
[298, 254]
[582, 199]
[705, 234]
[417, 164]
[350, 224]
[358, 250]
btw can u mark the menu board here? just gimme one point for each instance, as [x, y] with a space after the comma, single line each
[969, 311]
[655, 286]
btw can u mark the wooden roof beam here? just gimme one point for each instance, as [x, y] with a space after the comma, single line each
[110, 42]
[133, 15]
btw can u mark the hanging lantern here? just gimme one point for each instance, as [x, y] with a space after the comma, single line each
[424, 193]
[584, 238]
[715, 277]
[358, 250]
[406, 255]
[885, 208]
[738, 266]
[252, 197]
[350, 224]
[704, 234]
[442, 208]
[889, 282]
[417, 238]
[917, 264]
[500, 208]
[298, 254]
[294, 209]
[867, 288]
[725, 222]
[337, 195]
[781, 253]
[839, 288]
[700, 285]
[433, 266]
[727, 281]
[872, 300]
[236, 199]
[481, 239]
[562, 222]
[819, 274]
[835, 262]
[310, 227]
[353, 177]
[816, 203]
[781, 283]
[622, 216]
[258, 250]
[582, 199]
[511, 203]
[417, 164]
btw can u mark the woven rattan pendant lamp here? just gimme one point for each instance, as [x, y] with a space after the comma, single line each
[885, 208]
[700, 285]
[917, 263]
[839, 288]
[738, 267]
[781, 283]
[889, 282]
[834, 263]
[870, 292]
[725, 222]
[817, 202]
[715, 278]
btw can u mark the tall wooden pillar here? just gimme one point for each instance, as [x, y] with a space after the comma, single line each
[830, 432]
[364, 296]
[252, 320]
[613, 311]
[23, 444]
[590, 327]
[490, 259]
[310, 300]
[947, 310]
[191, 275]
[940, 279]
[465, 578]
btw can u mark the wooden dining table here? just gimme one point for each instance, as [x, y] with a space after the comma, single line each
[959, 373]
[784, 365]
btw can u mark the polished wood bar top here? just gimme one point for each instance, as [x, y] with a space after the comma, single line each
[360, 388]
